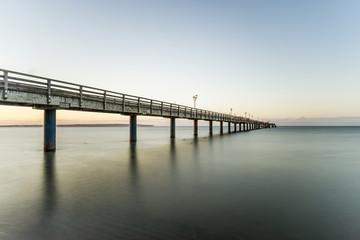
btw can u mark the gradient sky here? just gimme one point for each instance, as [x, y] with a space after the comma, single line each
[293, 62]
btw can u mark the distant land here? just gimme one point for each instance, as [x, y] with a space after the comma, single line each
[80, 125]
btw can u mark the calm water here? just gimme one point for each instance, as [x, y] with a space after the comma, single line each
[284, 183]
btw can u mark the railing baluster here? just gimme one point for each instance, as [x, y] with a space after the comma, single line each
[5, 94]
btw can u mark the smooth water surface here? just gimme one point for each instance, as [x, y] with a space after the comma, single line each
[283, 183]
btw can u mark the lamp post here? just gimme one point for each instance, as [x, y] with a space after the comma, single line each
[195, 97]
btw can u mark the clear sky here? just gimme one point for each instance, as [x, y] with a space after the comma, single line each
[293, 62]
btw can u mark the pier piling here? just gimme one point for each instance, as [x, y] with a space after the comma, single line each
[49, 130]
[132, 128]
[195, 127]
[172, 127]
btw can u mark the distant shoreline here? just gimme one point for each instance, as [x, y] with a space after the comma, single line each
[81, 125]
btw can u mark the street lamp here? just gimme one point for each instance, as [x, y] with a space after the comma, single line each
[230, 111]
[195, 97]
[245, 115]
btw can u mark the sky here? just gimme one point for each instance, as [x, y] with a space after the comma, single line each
[289, 62]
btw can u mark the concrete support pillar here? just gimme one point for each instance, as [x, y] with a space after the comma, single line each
[210, 127]
[247, 127]
[229, 127]
[172, 127]
[235, 127]
[240, 127]
[221, 127]
[49, 130]
[195, 127]
[132, 137]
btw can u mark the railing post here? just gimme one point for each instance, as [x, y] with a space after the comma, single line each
[5, 94]
[104, 100]
[81, 96]
[138, 104]
[123, 103]
[48, 91]
[162, 108]
[178, 110]
[151, 106]
[185, 111]
[170, 109]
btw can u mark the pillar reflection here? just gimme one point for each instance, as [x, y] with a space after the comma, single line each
[133, 164]
[49, 184]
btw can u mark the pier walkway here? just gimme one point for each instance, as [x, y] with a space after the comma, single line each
[21, 89]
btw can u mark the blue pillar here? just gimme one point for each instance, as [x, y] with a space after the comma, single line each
[210, 127]
[172, 127]
[221, 127]
[132, 128]
[195, 127]
[49, 130]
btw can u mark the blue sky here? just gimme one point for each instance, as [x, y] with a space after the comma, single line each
[279, 60]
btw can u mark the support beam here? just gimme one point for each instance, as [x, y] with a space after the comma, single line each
[172, 127]
[221, 127]
[49, 130]
[195, 127]
[132, 137]
[210, 127]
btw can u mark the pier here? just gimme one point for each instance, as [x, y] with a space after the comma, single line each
[49, 95]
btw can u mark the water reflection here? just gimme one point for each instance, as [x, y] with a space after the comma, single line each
[49, 185]
[173, 158]
[133, 165]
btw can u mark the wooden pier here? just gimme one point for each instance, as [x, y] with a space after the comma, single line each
[21, 89]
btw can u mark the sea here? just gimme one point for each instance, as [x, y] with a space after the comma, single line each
[300, 183]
